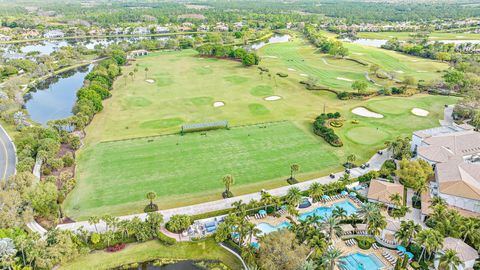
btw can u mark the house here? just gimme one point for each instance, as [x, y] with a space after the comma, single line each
[53, 34]
[221, 27]
[160, 29]
[4, 38]
[455, 154]
[466, 253]
[140, 31]
[381, 191]
[203, 28]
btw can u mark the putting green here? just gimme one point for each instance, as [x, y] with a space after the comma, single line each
[261, 91]
[366, 135]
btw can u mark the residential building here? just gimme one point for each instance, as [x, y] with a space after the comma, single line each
[454, 152]
[4, 38]
[381, 191]
[54, 34]
[466, 253]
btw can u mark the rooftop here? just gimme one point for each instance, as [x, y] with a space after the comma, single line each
[381, 191]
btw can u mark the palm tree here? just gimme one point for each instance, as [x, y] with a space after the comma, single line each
[420, 186]
[331, 258]
[339, 212]
[266, 199]
[132, 75]
[146, 73]
[294, 196]
[93, 220]
[377, 223]
[396, 199]
[293, 169]
[449, 260]
[437, 200]
[308, 265]
[354, 218]
[407, 232]
[368, 211]
[239, 208]
[151, 195]
[251, 230]
[470, 229]
[315, 191]
[228, 180]
[332, 225]
[351, 159]
[431, 240]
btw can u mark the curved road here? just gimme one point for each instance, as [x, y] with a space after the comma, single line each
[8, 156]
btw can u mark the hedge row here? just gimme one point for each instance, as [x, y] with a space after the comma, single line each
[328, 134]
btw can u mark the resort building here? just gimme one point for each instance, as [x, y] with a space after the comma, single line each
[455, 154]
[466, 253]
[381, 191]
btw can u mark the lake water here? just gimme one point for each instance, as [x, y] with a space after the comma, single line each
[271, 40]
[55, 97]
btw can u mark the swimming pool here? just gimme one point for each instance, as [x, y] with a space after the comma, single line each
[327, 211]
[267, 228]
[360, 261]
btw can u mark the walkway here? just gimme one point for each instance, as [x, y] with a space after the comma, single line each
[375, 164]
[8, 155]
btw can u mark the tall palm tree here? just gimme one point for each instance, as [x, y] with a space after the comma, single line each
[431, 240]
[331, 258]
[351, 159]
[251, 230]
[266, 199]
[407, 232]
[396, 199]
[151, 195]
[315, 191]
[146, 72]
[354, 218]
[437, 200]
[294, 196]
[449, 260]
[239, 208]
[377, 223]
[368, 211]
[339, 212]
[293, 169]
[331, 225]
[94, 220]
[228, 180]
[470, 229]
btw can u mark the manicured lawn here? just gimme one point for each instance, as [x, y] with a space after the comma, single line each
[300, 60]
[407, 35]
[151, 250]
[113, 177]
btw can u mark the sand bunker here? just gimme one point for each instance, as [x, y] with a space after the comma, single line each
[291, 69]
[344, 79]
[304, 75]
[366, 113]
[150, 81]
[357, 53]
[459, 36]
[420, 112]
[399, 71]
[269, 56]
[421, 71]
[272, 98]
[218, 104]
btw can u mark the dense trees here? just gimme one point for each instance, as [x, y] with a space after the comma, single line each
[280, 250]
[320, 129]
[222, 51]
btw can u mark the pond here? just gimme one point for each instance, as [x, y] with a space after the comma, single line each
[179, 265]
[55, 97]
[277, 38]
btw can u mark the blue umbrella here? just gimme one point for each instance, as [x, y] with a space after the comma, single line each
[353, 194]
[255, 245]
[325, 197]
[409, 254]
[401, 248]
[344, 192]
[262, 212]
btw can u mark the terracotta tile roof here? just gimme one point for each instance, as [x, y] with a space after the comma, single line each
[459, 178]
[381, 190]
[464, 252]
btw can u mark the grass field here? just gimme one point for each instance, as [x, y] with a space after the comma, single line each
[113, 177]
[407, 35]
[151, 250]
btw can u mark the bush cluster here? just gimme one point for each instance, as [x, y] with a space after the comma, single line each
[328, 134]
[164, 239]
[221, 51]
[116, 247]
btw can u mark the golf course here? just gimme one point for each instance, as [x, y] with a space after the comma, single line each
[133, 146]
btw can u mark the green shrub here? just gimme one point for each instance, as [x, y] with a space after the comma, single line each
[178, 223]
[326, 133]
[415, 265]
[365, 242]
[164, 239]
[68, 159]
[336, 123]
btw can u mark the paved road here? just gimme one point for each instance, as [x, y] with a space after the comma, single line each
[375, 164]
[8, 156]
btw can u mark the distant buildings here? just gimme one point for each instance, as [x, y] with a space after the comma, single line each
[454, 152]
[4, 38]
[53, 34]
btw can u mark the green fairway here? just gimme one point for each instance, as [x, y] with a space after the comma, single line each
[408, 35]
[113, 177]
[152, 250]
[300, 60]
[183, 168]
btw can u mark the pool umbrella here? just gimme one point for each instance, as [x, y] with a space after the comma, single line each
[409, 254]
[325, 197]
[344, 193]
[401, 248]
[353, 194]
[262, 212]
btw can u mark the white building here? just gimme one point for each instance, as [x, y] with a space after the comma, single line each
[455, 154]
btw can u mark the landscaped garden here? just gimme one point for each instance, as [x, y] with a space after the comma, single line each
[169, 89]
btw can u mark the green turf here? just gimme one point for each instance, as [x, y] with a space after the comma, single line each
[151, 250]
[114, 177]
